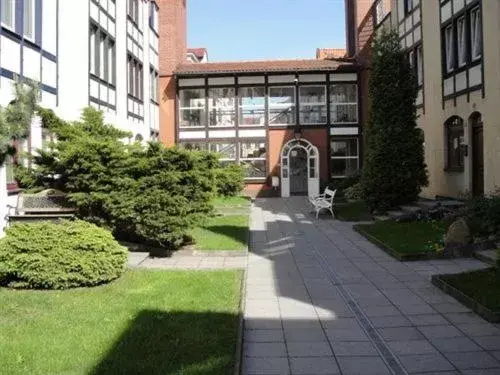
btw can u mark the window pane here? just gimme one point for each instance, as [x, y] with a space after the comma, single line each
[346, 113]
[344, 93]
[420, 66]
[92, 50]
[449, 48]
[344, 147]
[192, 104]
[344, 167]
[254, 168]
[7, 12]
[455, 139]
[282, 106]
[461, 41]
[221, 106]
[251, 150]
[227, 150]
[476, 34]
[252, 105]
[29, 15]
[193, 146]
[111, 61]
[312, 103]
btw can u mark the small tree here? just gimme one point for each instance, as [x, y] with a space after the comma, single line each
[394, 171]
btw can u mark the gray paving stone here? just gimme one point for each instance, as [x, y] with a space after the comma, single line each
[265, 366]
[412, 347]
[445, 308]
[354, 348]
[481, 372]
[390, 321]
[314, 365]
[381, 311]
[485, 329]
[442, 331]
[257, 323]
[304, 334]
[346, 335]
[427, 320]
[400, 334]
[496, 354]
[263, 349]
[472, 360]
[425, 363]
[465, 318]
[488, 342]
[309, 349]
[342, 323]
[264, 335]
[416, 309]
[455, 344]
[363, 365]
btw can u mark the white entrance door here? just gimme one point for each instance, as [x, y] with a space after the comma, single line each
[312, 166]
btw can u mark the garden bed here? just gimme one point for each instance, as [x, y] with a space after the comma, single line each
[406, 241]
[478, 290]
[147, 322]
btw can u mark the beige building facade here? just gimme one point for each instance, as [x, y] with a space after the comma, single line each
[455, 48]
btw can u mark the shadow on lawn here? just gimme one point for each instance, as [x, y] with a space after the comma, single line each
[235, 232]
[157, 342]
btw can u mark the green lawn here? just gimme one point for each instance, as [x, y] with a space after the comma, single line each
[147, 322]
[407, 238]
[483, 286]
[231, 202]
[353, 211]
[222, 233]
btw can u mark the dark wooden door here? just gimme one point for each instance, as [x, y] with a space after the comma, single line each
[298, 171]
[477, 160]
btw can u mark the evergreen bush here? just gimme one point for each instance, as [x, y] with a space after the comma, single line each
[394, 170]
[61, 255]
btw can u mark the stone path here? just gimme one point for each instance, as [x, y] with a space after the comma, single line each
[321, 299]
[182, 261]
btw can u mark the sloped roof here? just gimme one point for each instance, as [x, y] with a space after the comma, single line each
[264, 66]
[330, 53]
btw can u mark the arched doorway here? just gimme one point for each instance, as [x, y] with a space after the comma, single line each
[299, 168]
[477, 154]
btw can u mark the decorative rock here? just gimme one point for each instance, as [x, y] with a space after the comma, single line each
[458, 234]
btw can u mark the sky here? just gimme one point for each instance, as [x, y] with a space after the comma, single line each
[265, 29]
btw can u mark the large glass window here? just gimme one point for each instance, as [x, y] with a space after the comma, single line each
[252, 106]
[344, 157]
[29, 19]
[192, 107]
[344, 103]
[133, 10]
[282, 105]
[227, 151]
[455, 139]
[136, 79]
[102, 54]
[253, 159]
[153, 77]
[221, 106]
[8, 13]
[312, 102]
[475, 34]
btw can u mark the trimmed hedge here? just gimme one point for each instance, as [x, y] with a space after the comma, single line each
[60, 255]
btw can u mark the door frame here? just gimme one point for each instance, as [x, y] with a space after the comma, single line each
[476, 123]
[312, 166]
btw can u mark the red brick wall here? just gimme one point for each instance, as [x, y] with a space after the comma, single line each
[172, 52]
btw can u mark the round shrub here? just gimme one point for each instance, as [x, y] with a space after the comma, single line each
[60, 255]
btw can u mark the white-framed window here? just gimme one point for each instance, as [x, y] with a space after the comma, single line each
[29, 19]
[344, 154]
[449, 48]
[253, 157]
[111, 57]
[461, 42]
[153, 77]
[312, 105]
[282, 110]
[420, 65]
[192, 108]
[135, 78]
[103, 57]
[344, 103]
[133, 10]
[153, 17]
[380, 11]
[409, 5]
[227, 151]
[221, 107]
[102, 54]
[94, 50]
[251, 106]
[476, 34]
[8, 10]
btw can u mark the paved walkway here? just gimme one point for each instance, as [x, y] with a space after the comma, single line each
[187, 261]
[320, 299]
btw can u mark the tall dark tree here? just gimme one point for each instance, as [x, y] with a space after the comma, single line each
[395, 170]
